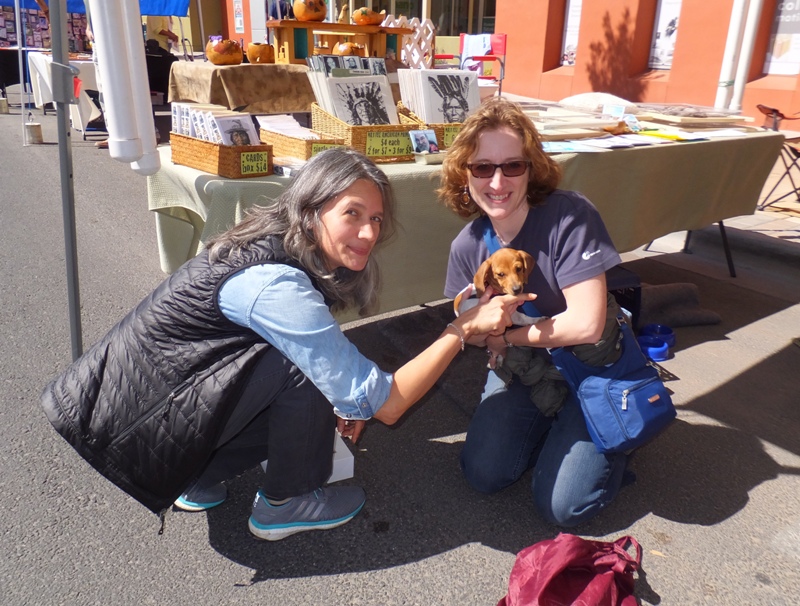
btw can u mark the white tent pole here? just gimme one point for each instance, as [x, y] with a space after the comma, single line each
[730, 57]
[202, 29]
[746, 53]
[22, 87]
[149, 163]
[63, 94]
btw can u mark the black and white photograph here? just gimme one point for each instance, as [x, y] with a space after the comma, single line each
[351, 62]
[331, 62]
[237, 130]
[377, 66]
[424, 141]
[439, 96]
[450, 97]
[363, 100]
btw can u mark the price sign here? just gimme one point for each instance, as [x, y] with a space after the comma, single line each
[450, 133]
[254, 163]
[321, 147]
[388, 144]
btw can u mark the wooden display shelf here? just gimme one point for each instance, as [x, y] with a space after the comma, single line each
[294, 40]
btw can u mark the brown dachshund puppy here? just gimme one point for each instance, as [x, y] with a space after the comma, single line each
[506, 272]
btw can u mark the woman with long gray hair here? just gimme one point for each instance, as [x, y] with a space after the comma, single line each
[236, 358]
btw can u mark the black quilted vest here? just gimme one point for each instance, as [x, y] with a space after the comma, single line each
[145, 405]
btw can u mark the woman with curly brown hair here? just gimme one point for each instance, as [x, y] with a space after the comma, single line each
[497, 170]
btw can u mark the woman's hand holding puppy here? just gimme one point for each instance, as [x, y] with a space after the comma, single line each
[412, 380]
[491, 316]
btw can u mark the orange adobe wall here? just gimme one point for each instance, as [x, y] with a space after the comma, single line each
[228, 21]
[614, 49]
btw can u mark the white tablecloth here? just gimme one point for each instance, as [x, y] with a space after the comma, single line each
[641, 193]
[40, 68]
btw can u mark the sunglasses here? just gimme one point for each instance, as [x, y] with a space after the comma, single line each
[510, 169]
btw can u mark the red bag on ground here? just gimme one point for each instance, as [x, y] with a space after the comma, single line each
[569, 570]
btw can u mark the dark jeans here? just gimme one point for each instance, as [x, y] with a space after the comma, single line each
[283, 417]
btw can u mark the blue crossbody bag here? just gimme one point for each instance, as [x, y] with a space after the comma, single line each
[625, 404]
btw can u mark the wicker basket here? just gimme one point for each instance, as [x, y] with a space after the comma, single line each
[284, 146]
[445, 133]
[381, 142]
[232, 162]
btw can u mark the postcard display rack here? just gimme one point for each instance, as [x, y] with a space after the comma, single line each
[229, 161]
[294, 40]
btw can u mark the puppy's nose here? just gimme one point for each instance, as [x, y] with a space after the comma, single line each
[516, 290]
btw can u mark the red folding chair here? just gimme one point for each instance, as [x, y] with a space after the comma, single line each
[497, 55]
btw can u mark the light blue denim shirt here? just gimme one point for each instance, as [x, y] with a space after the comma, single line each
[279, 303]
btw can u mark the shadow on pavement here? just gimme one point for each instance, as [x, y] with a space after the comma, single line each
[418, 505]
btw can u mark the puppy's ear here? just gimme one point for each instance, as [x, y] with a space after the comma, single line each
[457, 304]
[483, 277]
[527, 262]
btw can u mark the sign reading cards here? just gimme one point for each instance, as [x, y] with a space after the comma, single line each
[321, 147]
[449, 134]
[254, 163]
[388, 144]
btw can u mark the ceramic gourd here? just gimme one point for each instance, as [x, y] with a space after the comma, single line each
[367, 16]
[223, 52]
[310, 10]
[346, 48]
[260, 53]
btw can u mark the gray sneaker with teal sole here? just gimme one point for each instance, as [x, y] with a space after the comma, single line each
[322, 509]
[200, 499]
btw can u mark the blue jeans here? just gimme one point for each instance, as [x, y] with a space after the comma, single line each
[508, 435]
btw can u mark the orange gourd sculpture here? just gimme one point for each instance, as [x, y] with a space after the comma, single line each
[223, 52]
[346, 48]
[309, 10]
[260, 53]
[367, 16]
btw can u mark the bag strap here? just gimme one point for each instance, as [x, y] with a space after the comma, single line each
[627, 561]
[493, 245]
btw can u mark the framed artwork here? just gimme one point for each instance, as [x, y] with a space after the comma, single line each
[377, 66]
[330, 62]
[351, 62]
[363, 100]
[449, 96]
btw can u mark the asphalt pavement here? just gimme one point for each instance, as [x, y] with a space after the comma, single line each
[715, 506]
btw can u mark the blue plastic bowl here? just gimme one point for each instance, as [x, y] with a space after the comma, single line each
[664, 333]
[655, 348]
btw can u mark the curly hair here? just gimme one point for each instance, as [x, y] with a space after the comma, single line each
[296, 218]
[494, 114]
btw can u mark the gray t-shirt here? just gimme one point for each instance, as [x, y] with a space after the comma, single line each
[566, 237]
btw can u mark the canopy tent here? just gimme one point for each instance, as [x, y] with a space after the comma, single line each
[166, 8]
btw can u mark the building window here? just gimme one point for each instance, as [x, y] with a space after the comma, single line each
[665, 34]
[572, 26]
[783, 57]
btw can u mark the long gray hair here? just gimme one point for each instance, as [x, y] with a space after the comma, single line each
[295, 218]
